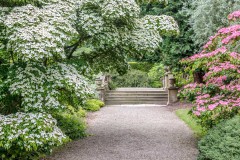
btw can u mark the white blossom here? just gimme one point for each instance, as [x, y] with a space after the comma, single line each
[35, 33]
[21, 130]
[40, 86]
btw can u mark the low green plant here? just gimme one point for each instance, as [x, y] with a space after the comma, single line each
[98, 102]
[81, 112]
[93, 105]
[221, 142]
[71, 124]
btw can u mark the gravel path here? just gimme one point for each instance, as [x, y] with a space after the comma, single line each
[133, 132]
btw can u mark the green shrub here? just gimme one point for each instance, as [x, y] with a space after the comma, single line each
[141, 66]
[221, 142]
[141, 74]
[70, 109]
[78, 112]
[112, 85]
[28, 136]
[71, 124]
[155, 75]
[93, 105]
[133, 78]
[98, 102]
[81, 112]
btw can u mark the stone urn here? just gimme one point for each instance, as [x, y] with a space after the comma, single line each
[172, 82]
[98, 82]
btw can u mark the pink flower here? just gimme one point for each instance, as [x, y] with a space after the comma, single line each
[231, 37]
[201, 109]
[223, 66]
[234, 15]
[212, 106]
[219, 81]
[216, 98]
[230, 29]
[224, 103]
[197, 113]
[235, 55]
[203, 54]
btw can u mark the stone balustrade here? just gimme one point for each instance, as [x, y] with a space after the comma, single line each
[102, 86]
[168, 81]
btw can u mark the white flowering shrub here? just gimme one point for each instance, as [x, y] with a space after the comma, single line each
[147, 36]
[151, 1]
[166, 25]
[28, 135]
[36, 33]
[41, 88]
[150, 41]
[114, 30]
[125, 10]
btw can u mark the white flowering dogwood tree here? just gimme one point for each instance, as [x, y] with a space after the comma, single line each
[41, 42]
[113, 30]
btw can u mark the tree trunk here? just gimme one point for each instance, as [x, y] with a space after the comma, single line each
[198, 76]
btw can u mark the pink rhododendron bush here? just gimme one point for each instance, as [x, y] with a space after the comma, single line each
[218, 97]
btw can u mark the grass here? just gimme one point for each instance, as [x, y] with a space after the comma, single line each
[191, 122]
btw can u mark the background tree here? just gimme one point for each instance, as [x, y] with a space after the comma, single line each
[207, 16]
[116, 36]
[172, 49]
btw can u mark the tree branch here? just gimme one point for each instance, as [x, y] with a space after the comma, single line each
[11, 52]
[71, 49]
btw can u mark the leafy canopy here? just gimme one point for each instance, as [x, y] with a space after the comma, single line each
[207, 16]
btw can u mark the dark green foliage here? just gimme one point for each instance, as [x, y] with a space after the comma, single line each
[156, 75]
[207, 16]
[8, 103]
[222, 142]
[140, 74]
[71, 124]
[141, 66]
[112, 85]
[173, 48]
[133, 78]
[93, 105]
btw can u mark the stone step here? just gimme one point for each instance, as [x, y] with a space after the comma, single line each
[136, 98]
[111, 102]
[137, 89]
[154, 91]
[137, 94]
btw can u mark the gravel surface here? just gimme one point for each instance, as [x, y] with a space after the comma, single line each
[132, 132]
